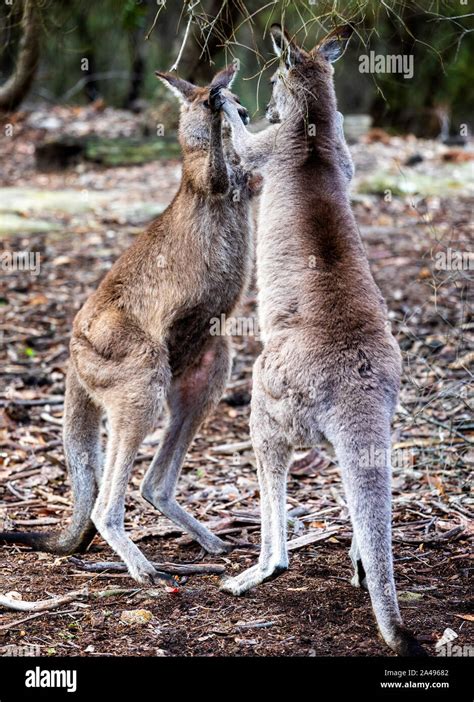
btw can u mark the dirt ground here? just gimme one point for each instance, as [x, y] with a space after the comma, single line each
[312, 609]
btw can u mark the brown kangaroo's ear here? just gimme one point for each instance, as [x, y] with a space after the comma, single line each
[284, 46]
[181, 88]
[334, 44]
[224, 78]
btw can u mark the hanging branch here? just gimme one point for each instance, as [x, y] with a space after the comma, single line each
[191, 7]
[148, 34]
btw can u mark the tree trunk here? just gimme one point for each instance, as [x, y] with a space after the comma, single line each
[17, 86]
[137, 73]
[91, 87]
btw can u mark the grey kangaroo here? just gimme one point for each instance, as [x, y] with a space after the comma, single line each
[142, 340]
[330, 367]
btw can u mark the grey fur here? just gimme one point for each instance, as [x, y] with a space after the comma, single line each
[330, 366]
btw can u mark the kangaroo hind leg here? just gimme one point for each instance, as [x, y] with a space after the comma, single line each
[358, 579]
[273, 453]
[132, 410]
[191, 398]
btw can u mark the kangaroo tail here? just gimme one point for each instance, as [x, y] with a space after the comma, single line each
[362, 447]
[81, 437]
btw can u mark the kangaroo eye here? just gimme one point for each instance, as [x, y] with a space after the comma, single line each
[205, 103]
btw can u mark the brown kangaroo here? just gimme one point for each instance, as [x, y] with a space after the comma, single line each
[330, 366]
[143, 340]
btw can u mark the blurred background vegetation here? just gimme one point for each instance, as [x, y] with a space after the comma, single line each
[79, 51]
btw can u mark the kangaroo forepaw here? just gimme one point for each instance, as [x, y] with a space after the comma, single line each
[216, 99]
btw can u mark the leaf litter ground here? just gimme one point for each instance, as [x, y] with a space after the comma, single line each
[312, 609]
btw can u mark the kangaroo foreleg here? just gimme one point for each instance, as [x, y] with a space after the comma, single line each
[217, 174]
[344, 155]
[254, 149]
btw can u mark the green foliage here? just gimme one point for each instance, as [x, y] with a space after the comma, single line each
[441, 49]
[133, 15]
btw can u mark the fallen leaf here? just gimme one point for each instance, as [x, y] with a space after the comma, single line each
[467, 617]
[406, 596]
[134, 617]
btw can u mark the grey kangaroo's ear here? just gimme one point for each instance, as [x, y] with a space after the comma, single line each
[284, 46]
[225, 78]
[181, 88]
[334, 44]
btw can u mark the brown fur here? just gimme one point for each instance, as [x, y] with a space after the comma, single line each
[143, 340]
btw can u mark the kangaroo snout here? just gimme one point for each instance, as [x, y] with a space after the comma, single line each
[232, 98]
[244, 114]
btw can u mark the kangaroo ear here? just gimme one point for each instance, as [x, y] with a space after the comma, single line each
[225, 78]
[284, 46]
[181, 88]
[334, 44]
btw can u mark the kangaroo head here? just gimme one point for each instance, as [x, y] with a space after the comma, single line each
[303, 75]
[195, 117]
